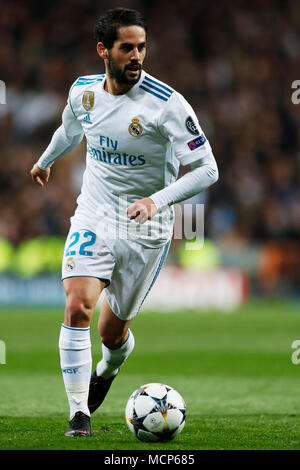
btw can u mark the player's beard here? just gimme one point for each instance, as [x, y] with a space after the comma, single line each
[119, 74]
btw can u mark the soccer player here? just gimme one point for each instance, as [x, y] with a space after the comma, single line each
[138, 131]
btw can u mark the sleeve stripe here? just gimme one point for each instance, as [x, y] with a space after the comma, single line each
[88, 81]
[169, 90]
[92, 78]
[153, 93]
[149, 85]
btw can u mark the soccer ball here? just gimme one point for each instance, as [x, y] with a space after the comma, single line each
[155, 412]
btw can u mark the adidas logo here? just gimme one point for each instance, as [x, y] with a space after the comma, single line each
[87, 118]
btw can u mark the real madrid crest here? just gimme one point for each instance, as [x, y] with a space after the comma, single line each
[135, 129]
[88, 100]
[70, 264]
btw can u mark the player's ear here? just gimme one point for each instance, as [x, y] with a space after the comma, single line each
[102, 51]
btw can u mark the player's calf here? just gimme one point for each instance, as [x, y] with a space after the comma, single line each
[76, 365]
[106, 371]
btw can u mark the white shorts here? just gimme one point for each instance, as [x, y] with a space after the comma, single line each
[128, 268]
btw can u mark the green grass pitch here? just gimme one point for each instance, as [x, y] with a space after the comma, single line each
[233, 370]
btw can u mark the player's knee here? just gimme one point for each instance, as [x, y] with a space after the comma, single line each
[78, 311]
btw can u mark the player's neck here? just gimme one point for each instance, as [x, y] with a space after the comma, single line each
[115, 88]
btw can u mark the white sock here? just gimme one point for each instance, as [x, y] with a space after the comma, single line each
[112, 359]
[76, 365]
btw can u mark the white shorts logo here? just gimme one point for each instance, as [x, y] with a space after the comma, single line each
[70, 264]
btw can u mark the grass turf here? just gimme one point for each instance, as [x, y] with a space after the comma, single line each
[233, 370]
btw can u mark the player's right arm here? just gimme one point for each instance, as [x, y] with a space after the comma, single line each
[64, 139]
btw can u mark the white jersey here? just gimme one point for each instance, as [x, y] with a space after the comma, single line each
[135, 144]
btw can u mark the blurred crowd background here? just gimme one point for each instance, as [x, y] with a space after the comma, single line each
[234, 61]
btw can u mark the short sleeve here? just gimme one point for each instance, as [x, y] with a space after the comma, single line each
[178, 123]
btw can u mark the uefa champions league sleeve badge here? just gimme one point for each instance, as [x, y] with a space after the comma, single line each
[135, 129]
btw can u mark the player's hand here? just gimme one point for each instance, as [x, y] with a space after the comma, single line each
[40, 176]
[142, 210]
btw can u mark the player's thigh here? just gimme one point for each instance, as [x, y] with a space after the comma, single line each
[136, 269]
[82, 294]
[113, 330]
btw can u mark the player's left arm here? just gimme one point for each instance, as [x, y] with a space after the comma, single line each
[180, 125]
[204, 173]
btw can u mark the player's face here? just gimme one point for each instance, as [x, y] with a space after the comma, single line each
[126, 57]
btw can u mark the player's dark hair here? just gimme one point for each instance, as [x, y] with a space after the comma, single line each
[106, 30]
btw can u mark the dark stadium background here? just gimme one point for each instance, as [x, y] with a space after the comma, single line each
[235, 62]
